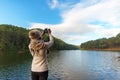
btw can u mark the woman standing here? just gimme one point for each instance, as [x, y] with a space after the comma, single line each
[38, 49]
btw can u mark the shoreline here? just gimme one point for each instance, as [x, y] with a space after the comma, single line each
[108, 49]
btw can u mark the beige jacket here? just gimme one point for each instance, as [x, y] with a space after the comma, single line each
[38, 49]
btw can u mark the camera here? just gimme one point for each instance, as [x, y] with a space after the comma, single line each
[46, 30]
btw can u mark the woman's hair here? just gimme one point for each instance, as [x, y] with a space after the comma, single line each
[37, 45]
[36, 42]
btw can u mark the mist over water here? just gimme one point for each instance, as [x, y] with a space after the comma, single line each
[64, 65]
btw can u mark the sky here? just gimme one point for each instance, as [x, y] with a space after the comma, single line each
[74, 21]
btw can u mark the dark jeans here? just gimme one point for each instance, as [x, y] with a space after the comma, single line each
[39, 75]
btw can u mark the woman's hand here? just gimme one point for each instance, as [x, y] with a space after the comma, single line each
[49, 31]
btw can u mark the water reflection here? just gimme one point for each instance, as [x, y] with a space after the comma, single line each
[14, 66]
[84, 65]
[64, 65]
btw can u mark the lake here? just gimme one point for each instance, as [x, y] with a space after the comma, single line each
[64, 65]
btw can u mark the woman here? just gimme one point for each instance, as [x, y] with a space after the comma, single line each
[38, 49]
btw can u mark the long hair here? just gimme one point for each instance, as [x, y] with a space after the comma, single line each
[36, 42]
[37, 45]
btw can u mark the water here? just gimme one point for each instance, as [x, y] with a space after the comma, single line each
[64, 65]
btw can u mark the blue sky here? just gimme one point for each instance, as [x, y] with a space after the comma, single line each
[23, 12]
[74, 21]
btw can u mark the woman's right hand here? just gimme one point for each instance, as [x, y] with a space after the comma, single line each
[49, 31]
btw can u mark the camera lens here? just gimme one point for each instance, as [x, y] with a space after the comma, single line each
[46, 30]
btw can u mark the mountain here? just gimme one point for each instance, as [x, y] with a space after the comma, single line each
[112, 43]
[14, 38]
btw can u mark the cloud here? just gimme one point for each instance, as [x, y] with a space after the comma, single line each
[53, 3]
[108, 32]
[107, 11]
[99, 18]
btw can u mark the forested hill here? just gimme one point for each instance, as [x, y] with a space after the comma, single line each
[16, 38]
[112, 43]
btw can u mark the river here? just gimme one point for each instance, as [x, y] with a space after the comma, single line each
[64, 65]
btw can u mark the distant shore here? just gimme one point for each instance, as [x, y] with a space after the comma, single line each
[112, 49]
[107, 49]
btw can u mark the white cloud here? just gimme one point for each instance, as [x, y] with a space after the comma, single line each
[77, 20]
[106, 11]
[53, 4]
[108, 32]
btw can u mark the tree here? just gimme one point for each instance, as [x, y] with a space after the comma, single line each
[16, 39]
